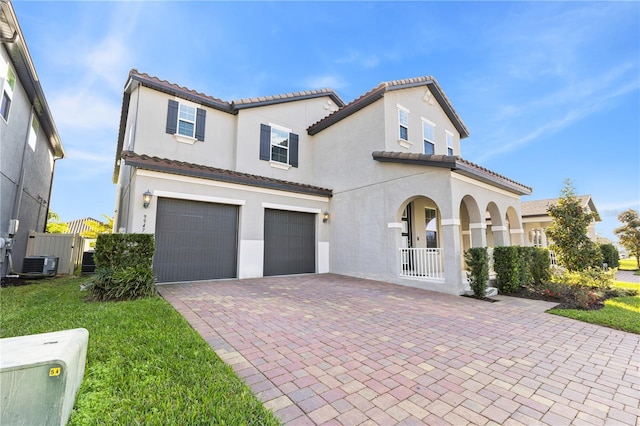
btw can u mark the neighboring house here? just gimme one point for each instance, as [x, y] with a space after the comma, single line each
[536, 219]
[302, 183]
[78, 226]
[30, 144]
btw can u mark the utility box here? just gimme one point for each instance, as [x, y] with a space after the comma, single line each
[40, 375]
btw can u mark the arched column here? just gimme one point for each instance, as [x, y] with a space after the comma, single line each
[452, 253]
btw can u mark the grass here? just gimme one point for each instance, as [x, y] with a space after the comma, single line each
[621, 313]
[145, 364]
[629, 265]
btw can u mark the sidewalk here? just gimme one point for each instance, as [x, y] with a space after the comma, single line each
[627, 276]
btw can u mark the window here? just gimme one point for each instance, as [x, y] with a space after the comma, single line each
[403, 120]
[7, 94]
[428, 136]
[278, 145]
[449, 143]
[185, 121]
[431, 228]
[33, 132]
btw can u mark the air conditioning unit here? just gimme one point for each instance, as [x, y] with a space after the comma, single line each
[40, 375]
[47, 265]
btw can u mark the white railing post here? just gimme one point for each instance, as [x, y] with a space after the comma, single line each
[422, 263]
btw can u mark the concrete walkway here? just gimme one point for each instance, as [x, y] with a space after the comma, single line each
[329, 349]
[628, 276]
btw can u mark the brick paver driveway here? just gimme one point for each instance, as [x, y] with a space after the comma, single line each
[332, 349]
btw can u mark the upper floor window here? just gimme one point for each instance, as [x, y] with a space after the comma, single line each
[403, 121]
[33, 132]
[428, 136]
[7, 94]
[185, 120]
[278, 145]
[449, 142]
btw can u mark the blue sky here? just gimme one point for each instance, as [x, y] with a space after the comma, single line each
[548, 90]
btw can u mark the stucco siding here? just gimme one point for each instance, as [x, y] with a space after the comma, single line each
[342, 152]
[294, 116]
[412, 100]
[150, 137]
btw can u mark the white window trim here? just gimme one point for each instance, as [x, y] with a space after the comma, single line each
[33, 133]
[7, 89]
[195, 114]
[424, 139]
[278, 164]
[448, 133]
[403, 142]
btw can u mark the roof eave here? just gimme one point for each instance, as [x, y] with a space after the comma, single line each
[26, 72]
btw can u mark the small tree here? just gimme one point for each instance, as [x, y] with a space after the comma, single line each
[568, 231]
[629, 233]
[54, 226]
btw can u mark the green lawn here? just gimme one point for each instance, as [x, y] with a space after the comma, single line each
[621, 313]
[628, 264]
[145, 364]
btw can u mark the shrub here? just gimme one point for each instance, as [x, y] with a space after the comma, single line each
[123, 283]
[478, 269]
[123, 267]
[540, 265]
[507, 263]
[610, 255]
[590, 277]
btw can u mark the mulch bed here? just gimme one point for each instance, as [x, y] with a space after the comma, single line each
[12, 282]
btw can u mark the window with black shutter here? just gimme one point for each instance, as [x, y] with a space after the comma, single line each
[278, 145]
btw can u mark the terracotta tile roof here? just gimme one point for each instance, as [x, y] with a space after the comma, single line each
[539, 207]
[233, 106]
[287, 97]
[456, 164]
[196, 170]
[172, 88]
[379, 91]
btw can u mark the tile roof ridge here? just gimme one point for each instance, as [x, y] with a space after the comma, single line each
[283, 96]
[175, 86]
[485, 170]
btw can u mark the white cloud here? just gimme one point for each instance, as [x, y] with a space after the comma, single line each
[331, 81]
[363, 59]
[84, 110]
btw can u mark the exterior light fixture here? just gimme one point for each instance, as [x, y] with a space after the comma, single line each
[325, 217]
[146, 198]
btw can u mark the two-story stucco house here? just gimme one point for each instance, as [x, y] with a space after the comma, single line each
[302, 183]
[29, 144]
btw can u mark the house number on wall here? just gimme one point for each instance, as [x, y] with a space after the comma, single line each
[144, 222]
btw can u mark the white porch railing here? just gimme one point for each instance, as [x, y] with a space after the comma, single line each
[422, 263]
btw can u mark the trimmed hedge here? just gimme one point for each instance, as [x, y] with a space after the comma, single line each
[610, 255]
[123, 267]
[478, 269]
[516, 266]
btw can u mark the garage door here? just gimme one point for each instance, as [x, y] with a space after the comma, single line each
[195, 240]
[289, 242]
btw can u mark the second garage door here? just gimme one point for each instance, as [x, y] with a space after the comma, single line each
[195, 241]
[289, 242]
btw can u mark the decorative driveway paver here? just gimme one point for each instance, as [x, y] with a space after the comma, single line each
[339, 350]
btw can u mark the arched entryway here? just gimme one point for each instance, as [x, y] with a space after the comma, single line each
[421, 247]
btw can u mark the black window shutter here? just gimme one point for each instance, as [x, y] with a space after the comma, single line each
[172, 117]
[201, 117]
[265, 142]
[293, 149]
